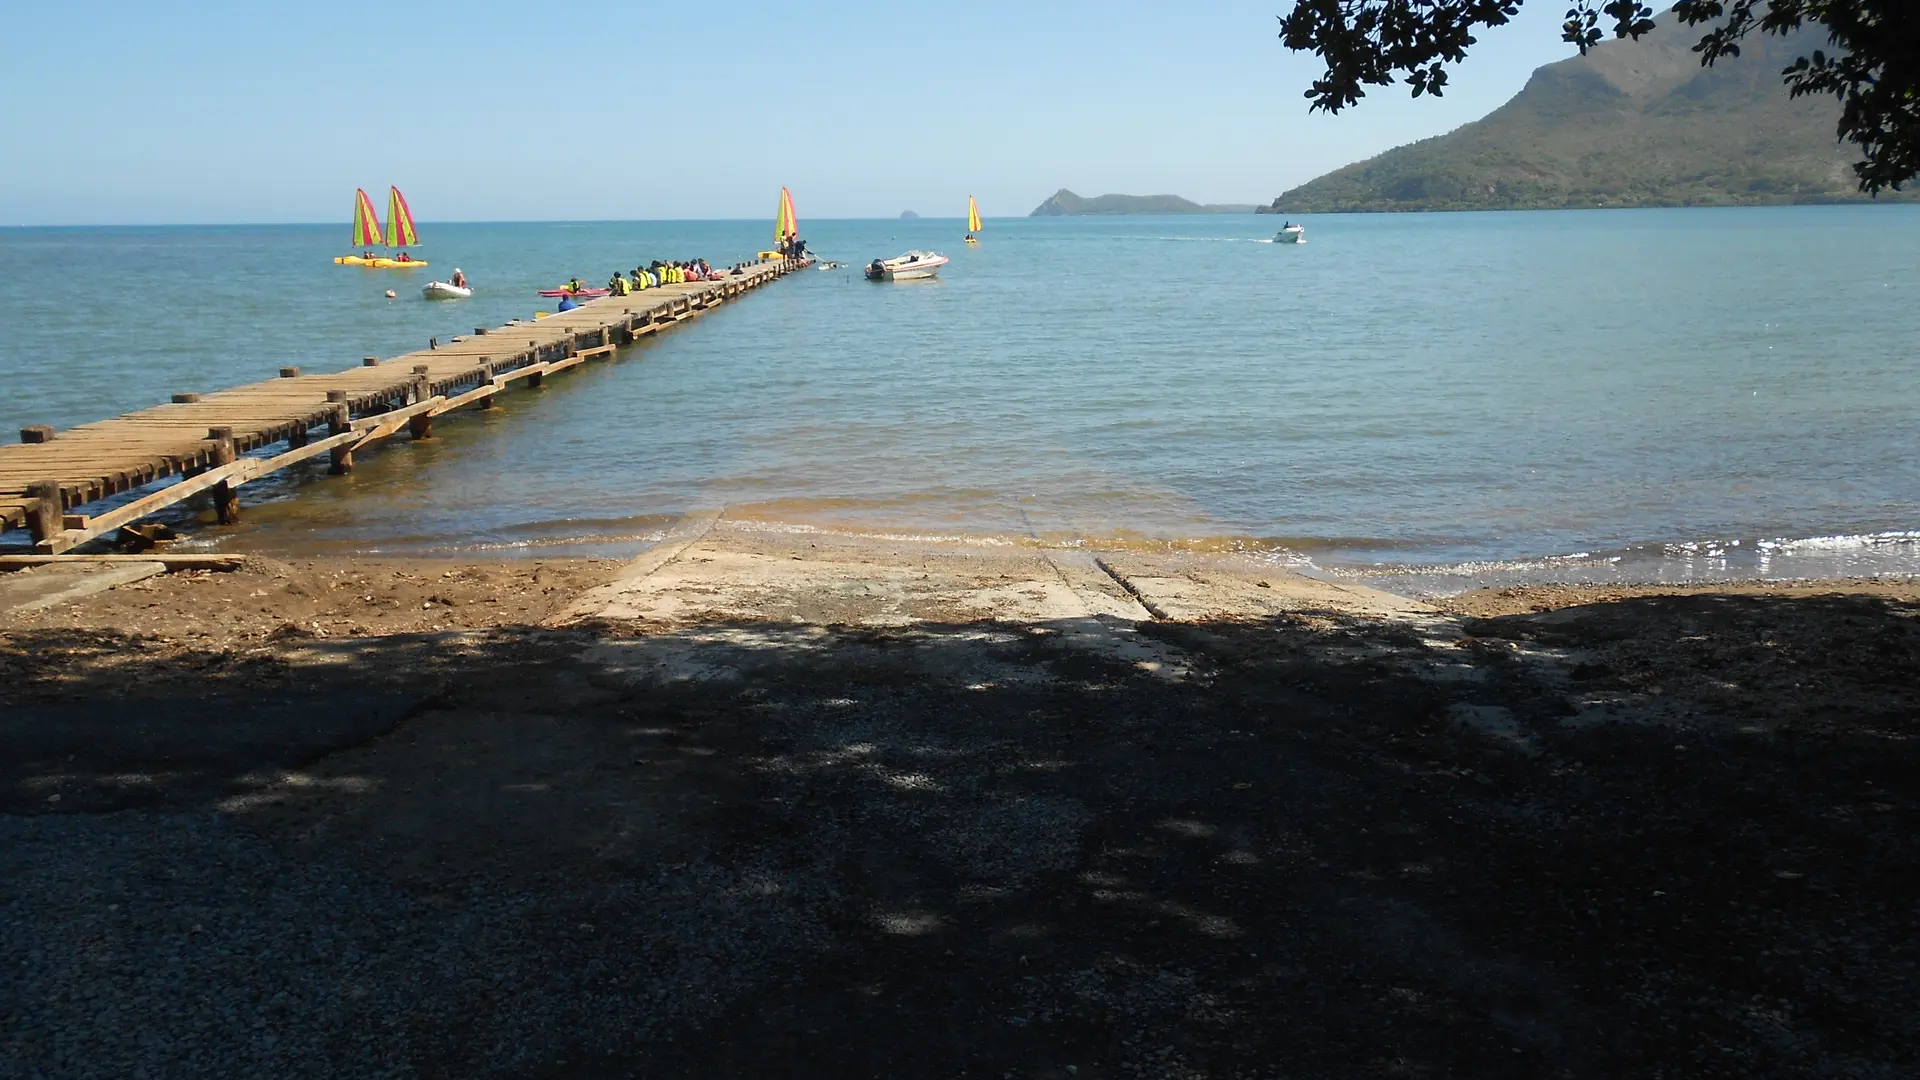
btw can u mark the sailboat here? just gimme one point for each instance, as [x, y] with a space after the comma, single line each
[786, 226]
[366, 233]
[400, 231]
[973, 220]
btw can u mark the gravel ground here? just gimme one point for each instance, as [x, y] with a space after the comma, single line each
[181, 944]
[1550, 835]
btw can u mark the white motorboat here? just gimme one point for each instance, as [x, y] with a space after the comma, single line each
[445, 290]
[914, 264]
[1291, 234]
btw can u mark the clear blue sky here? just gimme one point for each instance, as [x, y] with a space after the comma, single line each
[248, 112]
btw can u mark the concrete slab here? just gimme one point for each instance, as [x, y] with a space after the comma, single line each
[48, 586]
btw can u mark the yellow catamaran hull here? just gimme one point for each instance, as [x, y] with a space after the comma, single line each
[379, 262]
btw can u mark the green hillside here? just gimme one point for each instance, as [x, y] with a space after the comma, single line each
[1065, 203]
[1632, 123]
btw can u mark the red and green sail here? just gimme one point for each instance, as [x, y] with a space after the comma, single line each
[400, 231]
[366, 226]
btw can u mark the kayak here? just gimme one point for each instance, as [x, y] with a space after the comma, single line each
[444, 290]
[569, 292]
[379, 262]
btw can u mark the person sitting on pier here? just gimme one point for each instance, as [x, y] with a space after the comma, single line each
[617, 285]
[566, 304]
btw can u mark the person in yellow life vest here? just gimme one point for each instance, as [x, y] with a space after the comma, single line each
[617, 285]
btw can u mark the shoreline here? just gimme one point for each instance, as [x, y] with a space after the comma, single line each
[1891, 555]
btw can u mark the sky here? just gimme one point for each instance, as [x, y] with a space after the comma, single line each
[216, 112]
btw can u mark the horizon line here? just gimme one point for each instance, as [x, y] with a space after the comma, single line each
[502, 221]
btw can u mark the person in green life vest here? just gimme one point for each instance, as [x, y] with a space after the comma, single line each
[617, 285]
[575, 285]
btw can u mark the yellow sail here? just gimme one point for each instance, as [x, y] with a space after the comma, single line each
[366, 226]
[973, 215]
[400, 232]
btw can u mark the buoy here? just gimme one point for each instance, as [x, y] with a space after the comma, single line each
[389, 294]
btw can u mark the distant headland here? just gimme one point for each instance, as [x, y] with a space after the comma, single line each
[1632, 123]
[908, 215]
[1065, 203]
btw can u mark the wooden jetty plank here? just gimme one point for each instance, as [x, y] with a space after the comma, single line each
[361, 405]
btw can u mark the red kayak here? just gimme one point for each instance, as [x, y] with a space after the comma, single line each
[589, 293]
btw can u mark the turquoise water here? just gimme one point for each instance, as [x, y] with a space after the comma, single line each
[1652, 392]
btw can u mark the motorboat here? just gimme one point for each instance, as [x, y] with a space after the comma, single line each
[912, 265]
[1291, 234]
[445, 290]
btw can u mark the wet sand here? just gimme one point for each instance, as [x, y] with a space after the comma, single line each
[790, 803]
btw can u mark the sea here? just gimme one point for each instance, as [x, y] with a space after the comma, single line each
[1430, 402]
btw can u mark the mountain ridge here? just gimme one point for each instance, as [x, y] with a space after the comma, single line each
[1632, 123]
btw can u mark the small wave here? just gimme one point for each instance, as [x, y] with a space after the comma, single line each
[1842, 542]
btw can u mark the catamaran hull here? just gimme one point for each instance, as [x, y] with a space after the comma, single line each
[379, 263]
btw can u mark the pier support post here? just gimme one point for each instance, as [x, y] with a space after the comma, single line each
[226, 501]
[337, 423]
[420, 425]
[46, 516]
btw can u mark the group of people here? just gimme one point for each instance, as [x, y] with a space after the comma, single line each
[792, 248]
[657, 273]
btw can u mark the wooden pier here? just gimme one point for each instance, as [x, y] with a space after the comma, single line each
[212, 439]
